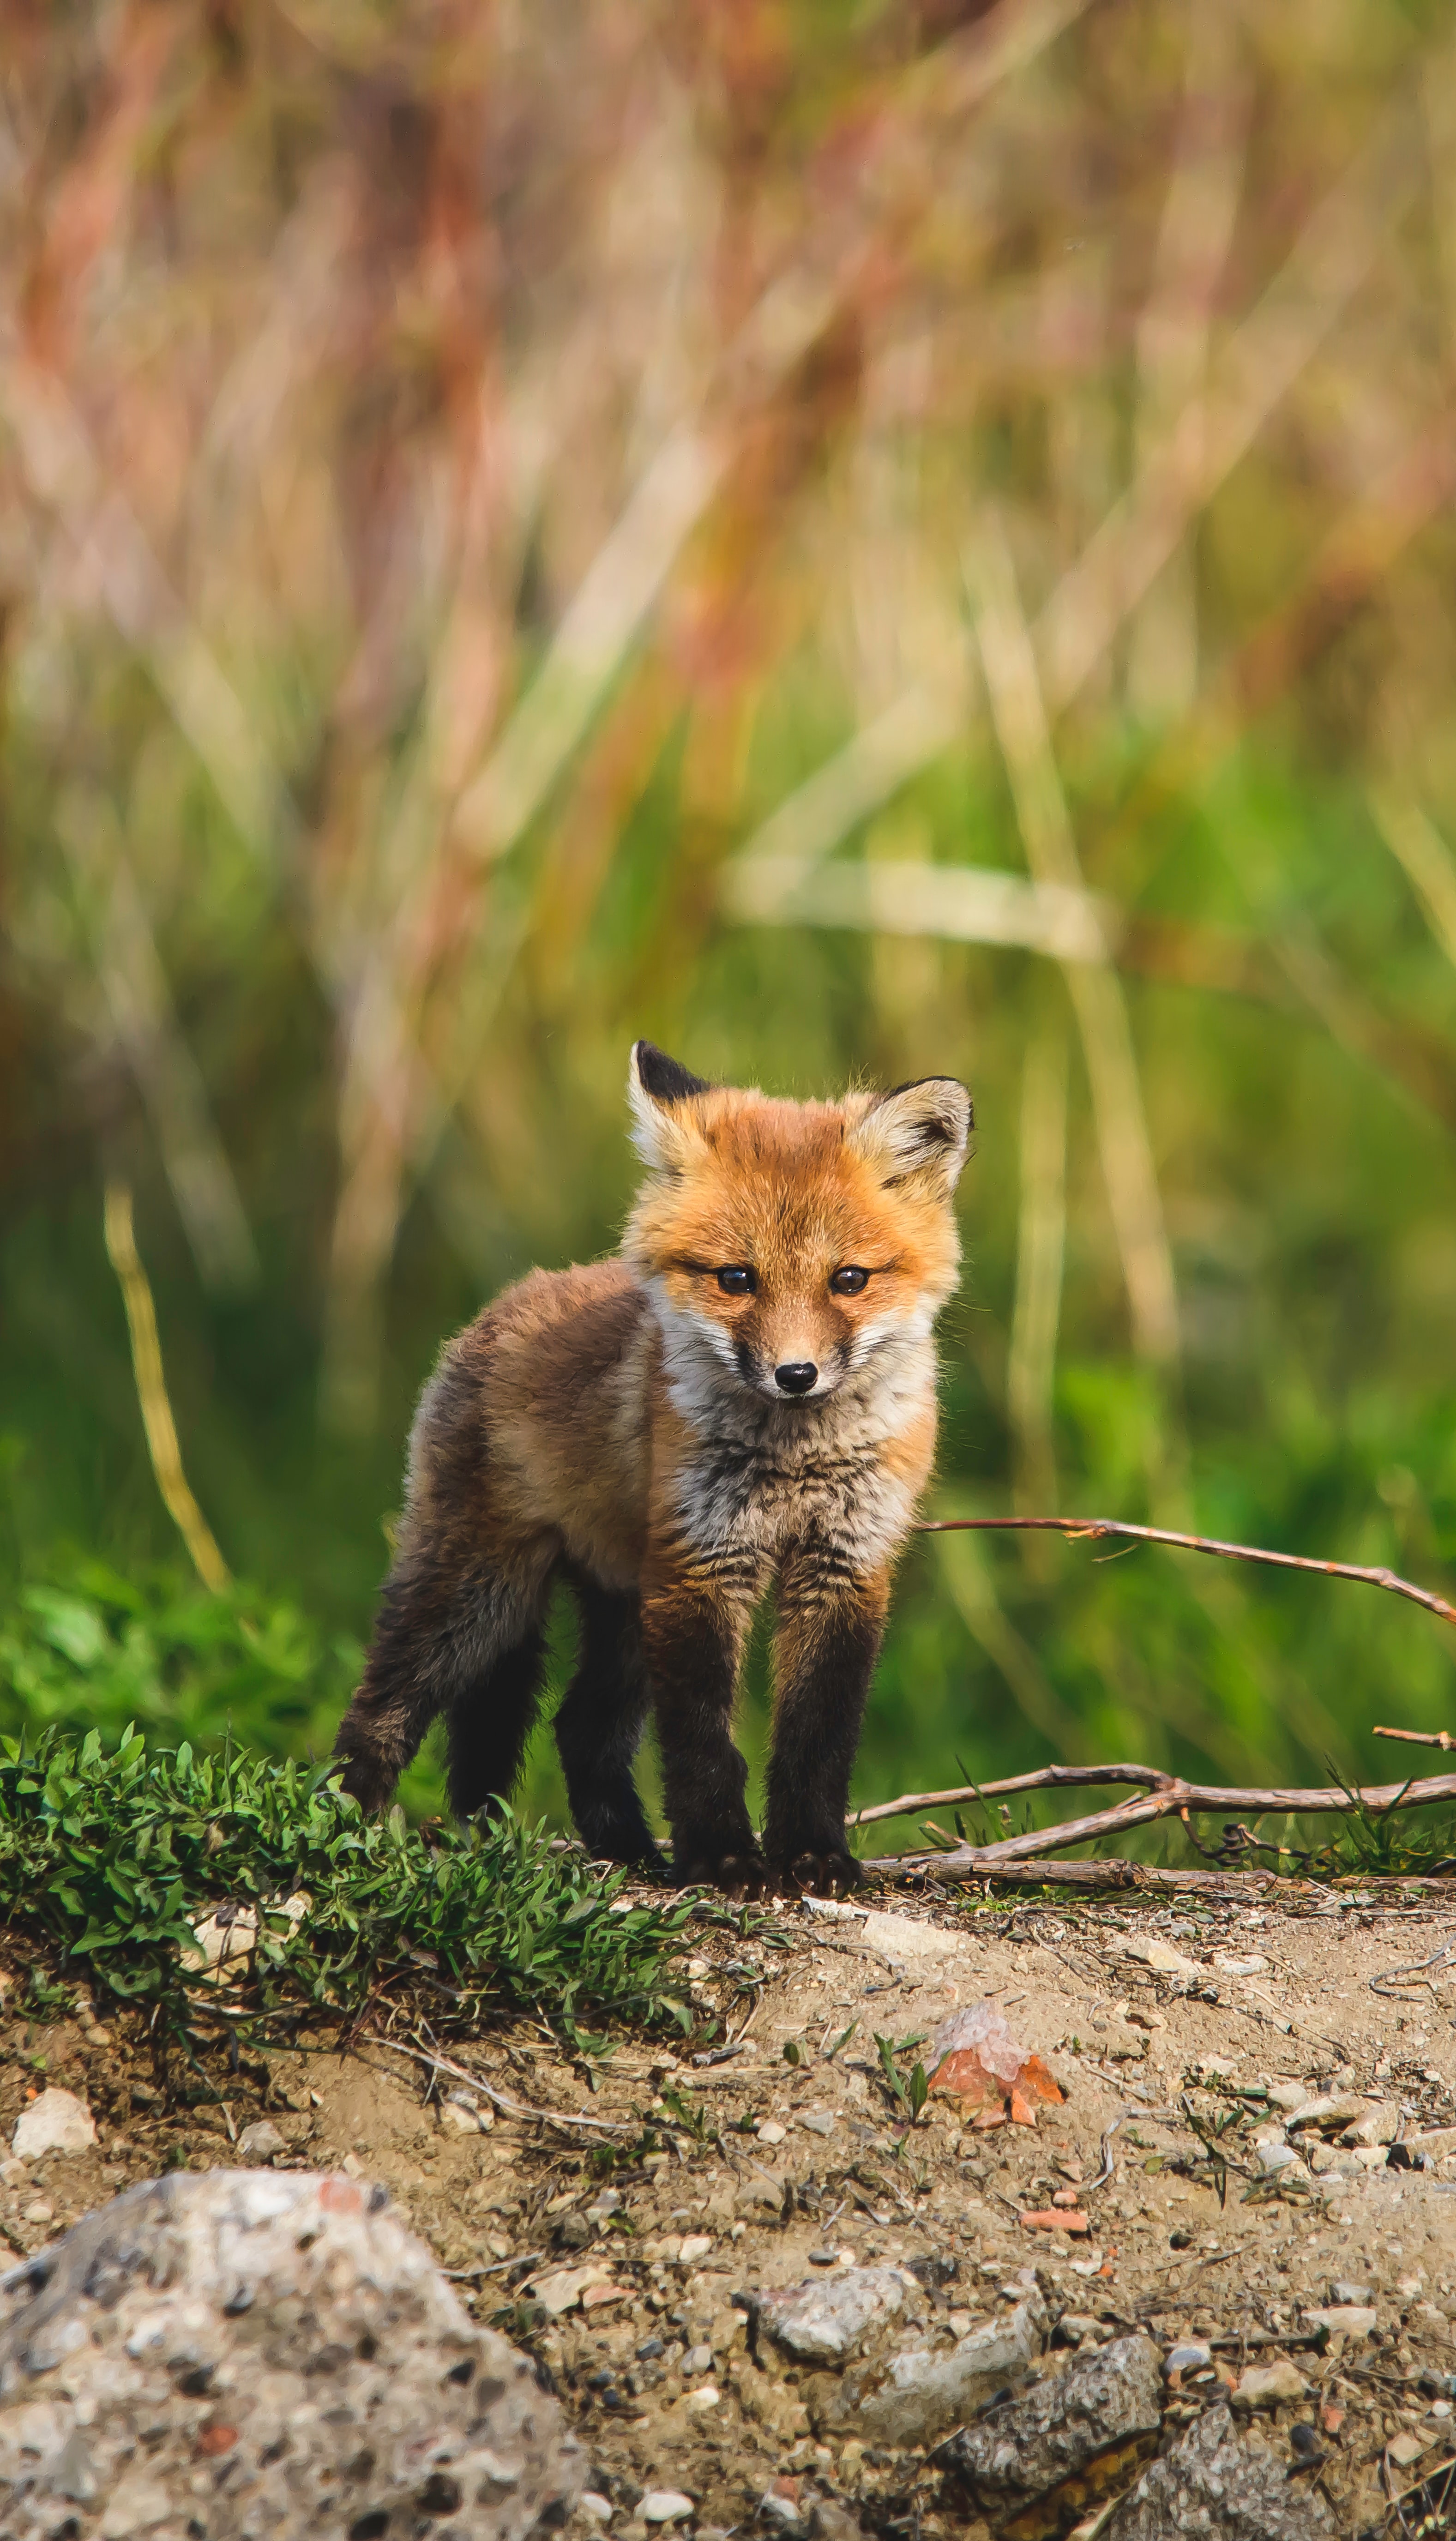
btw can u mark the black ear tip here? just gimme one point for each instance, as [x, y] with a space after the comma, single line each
[944, 1130]
[665, 1080]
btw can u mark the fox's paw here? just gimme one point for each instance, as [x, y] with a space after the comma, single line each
[738, 1875]
[366, 1781]
[821, 1874]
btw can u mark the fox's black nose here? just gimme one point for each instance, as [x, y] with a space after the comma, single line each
[799, 1376]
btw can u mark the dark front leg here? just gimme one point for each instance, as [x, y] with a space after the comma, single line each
[692, 1637]
[830, 1630]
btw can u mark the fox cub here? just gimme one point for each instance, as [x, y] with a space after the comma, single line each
[746, 1395]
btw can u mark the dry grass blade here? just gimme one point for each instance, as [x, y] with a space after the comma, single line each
[1126, 1149]
[959, 904]
[151, 1389]
[1175, 331]
[144, 1022]
[1425, 860]
[1253, 374]
[1040, 1246]
[66, 477]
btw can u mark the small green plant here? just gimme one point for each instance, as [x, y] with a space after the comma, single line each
[112, 1856]
[693, 2122]
[907, 2092]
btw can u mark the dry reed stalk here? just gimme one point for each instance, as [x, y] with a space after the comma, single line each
[1255, 370]
[1175, 330]
[1041, 1247]
[1424, 859]
[1124, 1144]
[144, 1022]
[151, 1390]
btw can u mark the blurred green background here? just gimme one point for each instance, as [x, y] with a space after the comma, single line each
[857, 542]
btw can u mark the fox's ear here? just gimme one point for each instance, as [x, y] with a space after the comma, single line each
[659, 1091]
[916, 1134]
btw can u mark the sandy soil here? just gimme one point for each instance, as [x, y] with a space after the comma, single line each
[760, 2170]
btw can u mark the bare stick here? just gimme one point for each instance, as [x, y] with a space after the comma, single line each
[508, 2107]
[1079, 1527]
[1419, 1737]
[151, 1389]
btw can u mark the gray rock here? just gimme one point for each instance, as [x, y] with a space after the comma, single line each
[1106, 2396]
[250, 2351]
[1378, 2125]
[918, 2392]
[1216, 2484]
[827, 2320]
[57, 2122]
[260, 2140]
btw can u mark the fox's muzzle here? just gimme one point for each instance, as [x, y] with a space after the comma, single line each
[796, 1376]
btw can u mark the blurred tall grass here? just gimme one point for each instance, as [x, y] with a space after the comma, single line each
[855, 542]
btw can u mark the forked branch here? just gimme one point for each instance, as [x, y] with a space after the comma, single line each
[1168, 1796]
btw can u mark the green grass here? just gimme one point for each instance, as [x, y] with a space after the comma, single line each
[111, 1853]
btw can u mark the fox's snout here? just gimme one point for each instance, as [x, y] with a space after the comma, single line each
[796, 1376]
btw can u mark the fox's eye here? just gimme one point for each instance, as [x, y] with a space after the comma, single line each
[848, 1281]
[737, 1283]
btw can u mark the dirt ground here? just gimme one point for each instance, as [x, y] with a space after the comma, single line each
[620, 2249]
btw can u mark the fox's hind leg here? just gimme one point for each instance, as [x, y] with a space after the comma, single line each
[465, 1639]
[600, 1725]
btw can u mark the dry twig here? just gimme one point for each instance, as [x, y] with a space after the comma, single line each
[501, 2100]
[1079, 1527]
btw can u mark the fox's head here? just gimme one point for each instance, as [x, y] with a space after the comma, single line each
[789, 1245]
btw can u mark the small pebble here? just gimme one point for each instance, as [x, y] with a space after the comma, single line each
[664, 2506]
[1191, 2357]
[596, 2509]
[824, 2258]
[771, 2131]
[262, 2141]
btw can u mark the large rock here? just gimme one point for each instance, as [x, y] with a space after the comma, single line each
[240, 2354]
[919, 2390]
[1106, 2397]
[1216, 2484]
[827, 2320]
